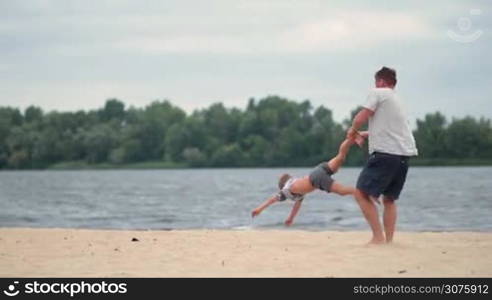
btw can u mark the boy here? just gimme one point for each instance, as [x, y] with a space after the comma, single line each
[391, 143]
[320, 178]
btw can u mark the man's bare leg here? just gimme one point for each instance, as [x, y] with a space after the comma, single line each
[370, 212]
[389, 218]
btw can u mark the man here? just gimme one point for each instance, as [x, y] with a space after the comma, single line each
[391, 143]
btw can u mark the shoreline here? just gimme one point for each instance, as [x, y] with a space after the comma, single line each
[219, 168]
[166, 165]
[259, 229]
[57, 252]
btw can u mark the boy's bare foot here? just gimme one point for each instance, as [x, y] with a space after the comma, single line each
[255, 212]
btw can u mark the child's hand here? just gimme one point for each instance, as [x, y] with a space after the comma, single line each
[359, 140]
[255, 212]
[351, 133]
[289, 222]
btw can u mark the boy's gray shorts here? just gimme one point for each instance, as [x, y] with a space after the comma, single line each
[320, 177]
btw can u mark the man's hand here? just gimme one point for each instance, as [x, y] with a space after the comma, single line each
[351, 132]
[364, 134]
[289, 222]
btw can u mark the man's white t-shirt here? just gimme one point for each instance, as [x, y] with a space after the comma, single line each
[389, 130]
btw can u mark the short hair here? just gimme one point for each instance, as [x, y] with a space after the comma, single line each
[283, 179]
[387, 74]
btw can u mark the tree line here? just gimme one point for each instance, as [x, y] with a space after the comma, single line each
[269, 132]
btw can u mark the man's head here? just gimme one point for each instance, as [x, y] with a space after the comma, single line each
[386, 77]
[283, 179]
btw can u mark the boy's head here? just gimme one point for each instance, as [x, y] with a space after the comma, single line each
[386, 77]
[283, 179]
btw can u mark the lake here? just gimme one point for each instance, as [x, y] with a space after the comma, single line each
[434, 199]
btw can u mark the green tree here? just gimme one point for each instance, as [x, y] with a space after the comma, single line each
[99, 141]
[272, 131]
[228, 156]
[430, 136]
[33, 114]
[254, 149]
[464, 138]
[113, 109]
[19, 145]
[194, 157]
[154, 122]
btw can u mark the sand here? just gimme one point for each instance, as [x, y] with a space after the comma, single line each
[251, 253]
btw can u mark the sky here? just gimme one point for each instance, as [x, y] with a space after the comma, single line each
[72, 55]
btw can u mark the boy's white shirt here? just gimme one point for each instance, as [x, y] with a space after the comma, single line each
[389, 129]
[288, 194]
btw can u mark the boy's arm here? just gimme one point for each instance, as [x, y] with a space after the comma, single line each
[264, 205]
[293, 213]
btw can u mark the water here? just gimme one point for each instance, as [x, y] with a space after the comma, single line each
[438, 199]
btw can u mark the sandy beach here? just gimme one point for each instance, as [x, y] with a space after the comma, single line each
[252, 253]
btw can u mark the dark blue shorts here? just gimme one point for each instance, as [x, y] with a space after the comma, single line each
[383, 174]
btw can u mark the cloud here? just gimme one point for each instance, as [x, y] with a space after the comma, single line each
[248, 28]
[337, 32]
[349, 30]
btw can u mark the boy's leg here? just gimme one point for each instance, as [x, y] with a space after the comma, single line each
[370, 212]
[340, 189]
[389, 218]
[338, 160]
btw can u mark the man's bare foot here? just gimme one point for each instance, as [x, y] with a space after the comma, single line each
[255, 212]
[376, 241]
